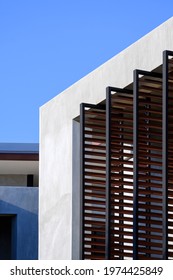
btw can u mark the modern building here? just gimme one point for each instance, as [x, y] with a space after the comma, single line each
[106, 171]
[19, 169]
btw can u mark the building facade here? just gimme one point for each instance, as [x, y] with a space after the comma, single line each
[106, 159]
[19, 169]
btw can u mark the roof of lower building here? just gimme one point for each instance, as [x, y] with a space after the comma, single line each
[19, 148]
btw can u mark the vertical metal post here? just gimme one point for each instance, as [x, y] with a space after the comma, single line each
[165, 113]
[82, 108]
[135, 159]
[108, 171]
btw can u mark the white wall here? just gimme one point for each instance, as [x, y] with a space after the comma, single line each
[55, 193]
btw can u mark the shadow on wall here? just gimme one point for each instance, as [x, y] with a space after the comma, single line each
[19, 228]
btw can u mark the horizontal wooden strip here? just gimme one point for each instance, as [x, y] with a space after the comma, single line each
[123, 204]
[149, 236]
[128, 140]
[121, 239]
[94, 112]
[149, 169]
[115, 217]
[94, 189]
[149, 192]
[122, 117]
[94, 133]
[148, 229]
[150, 243]
[94, 209]
[144, 257]
[121, 176]
[94, 174]
[120, 146]
[149, 118]
[121, 169]
[95, 250]
[149, 222]
[95, 201]
[94, 216]
[143, 110]
[115, 135]
[95, 182]
[100, 229]
[95, 153]
[93, 140]
[155, 178]
[126, 233]
[149, 207]
[95, 125]
[94, 223]
[149, 184]
[120, 154]
[122, 197]
[94, 147]
[94, 237]
[124, 247]
[150, 146]
[94, 257]
[149, 214]
[115, 162]
[101, 161]
[149, 200]
[94, 243]
[93, 195]
[121, 254]
[149, 251]
[120, 190]
[119, 183]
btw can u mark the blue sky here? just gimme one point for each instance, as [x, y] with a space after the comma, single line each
[47, 45]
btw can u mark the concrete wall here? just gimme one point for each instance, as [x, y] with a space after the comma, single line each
[22, 202]
[13, 180]
[55, 227]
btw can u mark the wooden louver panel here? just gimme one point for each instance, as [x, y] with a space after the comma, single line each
[148, 166]
[120, 174]
[127, 170]
[94, 180]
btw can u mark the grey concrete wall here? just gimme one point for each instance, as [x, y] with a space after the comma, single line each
[13, 180]
[23, 203]
[55, 227]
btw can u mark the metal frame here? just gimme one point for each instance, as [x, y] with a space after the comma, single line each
[108, 172]
[136, 75]
[108, 162]
[83, 106]
[165, 113]
[135, 164]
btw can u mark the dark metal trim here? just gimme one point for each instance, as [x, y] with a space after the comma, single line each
[120, 90]
[135, 163]
[147, 73]
[108, 171]
[82, 108]
[93, 106]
